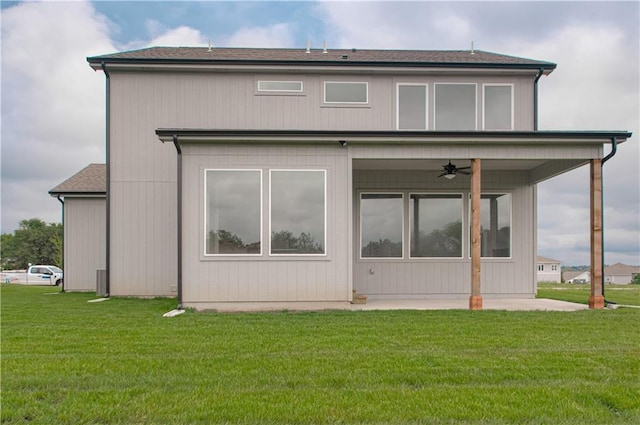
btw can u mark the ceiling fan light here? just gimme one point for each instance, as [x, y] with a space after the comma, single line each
[449, 176]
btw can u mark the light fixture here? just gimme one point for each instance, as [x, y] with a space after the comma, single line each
[450, 176]
[343, 143]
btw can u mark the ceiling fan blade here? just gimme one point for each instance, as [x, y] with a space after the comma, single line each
[463, 172]
[444, 173]
[464, 168]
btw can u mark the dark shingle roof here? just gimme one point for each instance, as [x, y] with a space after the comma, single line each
[336, 57]
[90, 180]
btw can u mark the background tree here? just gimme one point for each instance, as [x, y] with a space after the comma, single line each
[34, 242]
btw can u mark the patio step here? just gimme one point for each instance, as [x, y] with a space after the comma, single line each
[358, 298]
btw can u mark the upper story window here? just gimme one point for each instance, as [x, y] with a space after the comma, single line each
[233, 212]
[455, 107]
[540, 267]
[554, 267]
[298, 212]
[280, 86]
[412, 106]
[498, 107]
[350, 92]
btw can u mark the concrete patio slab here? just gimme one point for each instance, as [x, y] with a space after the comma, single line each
[509, 304]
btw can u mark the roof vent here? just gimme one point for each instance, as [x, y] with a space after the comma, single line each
[324, 47]
[209, 45]
[353, 49]
[308, 46]
[472, 51]
[345, 56]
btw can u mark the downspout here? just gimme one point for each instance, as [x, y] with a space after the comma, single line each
[535, 99]
[62, 265]
[614, 149]
[108, 177]
[176, 143]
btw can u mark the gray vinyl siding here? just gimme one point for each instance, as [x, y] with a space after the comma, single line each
[143, 170]
[84, 242]
[408, 278]
[266, 279]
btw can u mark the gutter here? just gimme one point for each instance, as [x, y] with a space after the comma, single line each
[535, 99]
[176, 143]
[108, 177]
[62, 265]
[614, 149]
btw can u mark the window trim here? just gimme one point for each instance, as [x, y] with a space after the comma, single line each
[475, 103]
[204, 233]
[325, 244]
[404, 211]
[462, 236]
[324, 92]
[426, 105]
[484, 104]
[266, 91]
[510, 193]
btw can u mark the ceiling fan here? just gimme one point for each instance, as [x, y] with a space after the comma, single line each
[450, 171]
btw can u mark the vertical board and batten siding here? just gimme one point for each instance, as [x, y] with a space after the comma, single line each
[214, 279]
[84, 242]
[143, 170]
[406, 278]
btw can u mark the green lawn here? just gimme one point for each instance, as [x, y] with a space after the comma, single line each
[66, 361]
[579, 293]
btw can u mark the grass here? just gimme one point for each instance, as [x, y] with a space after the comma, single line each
[67, 361]
[579, 293]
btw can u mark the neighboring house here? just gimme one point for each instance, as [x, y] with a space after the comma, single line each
[620, 273]
[576, 277]
[548, 270]
[84, 220]
[288, 178]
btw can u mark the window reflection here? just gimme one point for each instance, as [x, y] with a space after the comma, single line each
[297, 212]
[436, 225]
[233, 211]
[495, 222]
[381, 225]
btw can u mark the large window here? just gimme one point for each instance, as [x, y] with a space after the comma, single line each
[381, 225]
[455, 107]
[233, 214]
[436, 225]
[298, 212]
[495, 222]
[346, 92]
[412, 106]
[498, 107]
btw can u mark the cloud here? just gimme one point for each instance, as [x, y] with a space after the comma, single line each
[53, 103]
[595, 87]
[278, 35]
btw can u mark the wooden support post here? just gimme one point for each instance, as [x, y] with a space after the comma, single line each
[596, 298]
[475, 301]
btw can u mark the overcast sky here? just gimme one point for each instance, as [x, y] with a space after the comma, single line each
[53, 103]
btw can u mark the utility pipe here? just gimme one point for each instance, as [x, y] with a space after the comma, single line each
[535, 99]
[108, 188]
[614, 149]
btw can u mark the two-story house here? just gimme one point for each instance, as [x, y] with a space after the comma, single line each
[276, 178]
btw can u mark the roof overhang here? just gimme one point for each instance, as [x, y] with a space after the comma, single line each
[78, 194]
[505, 138]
